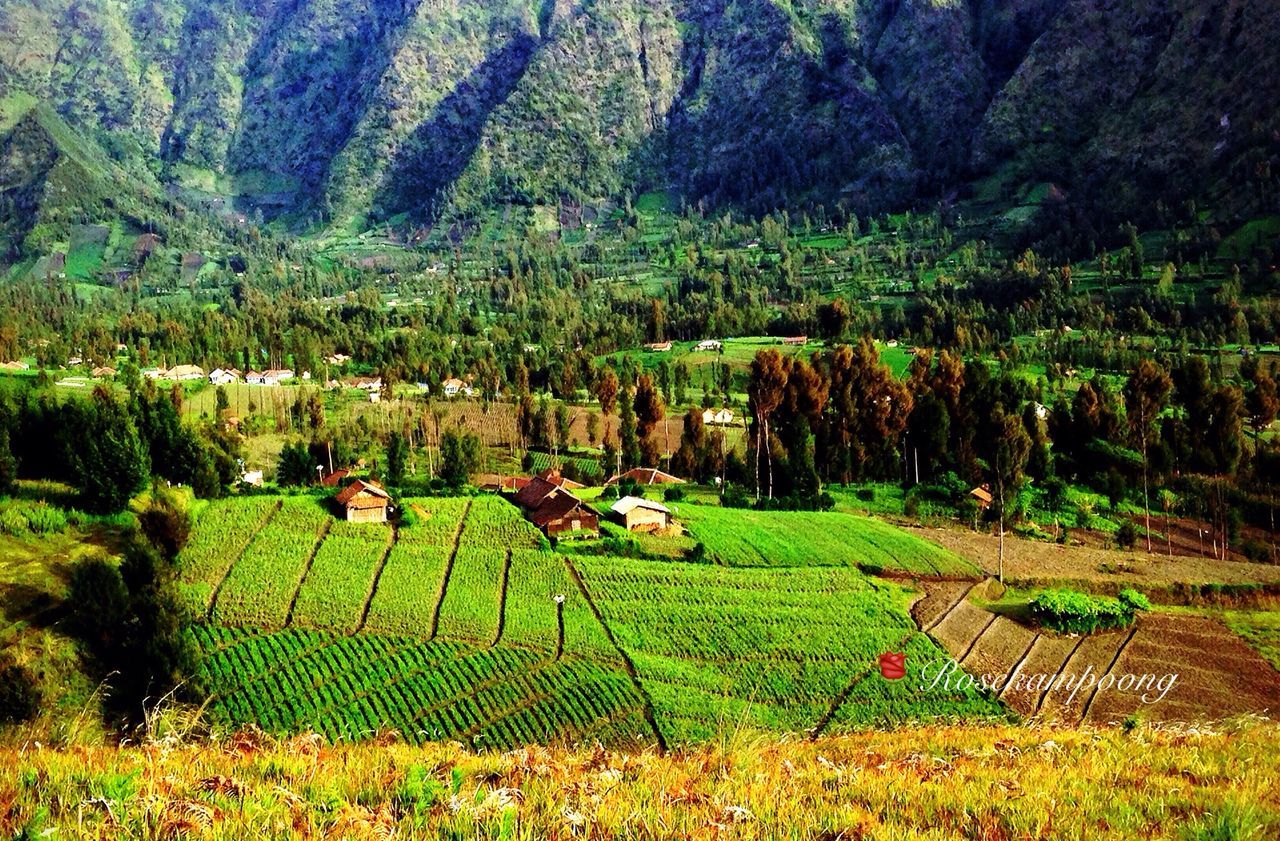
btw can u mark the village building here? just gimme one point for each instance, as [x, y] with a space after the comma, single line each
[183, 373]
[658, 347]
[367, 383]
[646, 476]
[555, 510]
[453, 386]
[717, 417]
[364, 502]
[982, 496]
[710, 345]
[639, 514]
[222, 376]
[252, 478]
[153, 373]
[795, 341]
[104, 373]
[332, 480]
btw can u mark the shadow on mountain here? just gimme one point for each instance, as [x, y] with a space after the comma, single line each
[428, 164]
[302, 107]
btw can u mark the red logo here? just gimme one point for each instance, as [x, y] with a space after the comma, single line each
[893, 666]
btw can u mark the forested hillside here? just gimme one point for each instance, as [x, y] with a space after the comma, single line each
[404, 109]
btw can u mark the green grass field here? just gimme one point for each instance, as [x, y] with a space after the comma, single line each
[746, 538]
[463, 624]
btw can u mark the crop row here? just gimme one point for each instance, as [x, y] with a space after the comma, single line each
[495, 523]
[221, 535]
[340, 580]
[436, 520]
[738, 537]
[409, 589]
[534, 582]
[352, 686]
[261, 585]
[588, 467]
[471, 607]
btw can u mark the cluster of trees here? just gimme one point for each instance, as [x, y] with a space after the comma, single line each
[843, 417]
[109, 446]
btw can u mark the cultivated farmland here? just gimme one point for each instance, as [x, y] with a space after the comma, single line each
[745, 538]
[462, 623]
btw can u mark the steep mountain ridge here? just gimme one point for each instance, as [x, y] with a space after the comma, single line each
[389, 109]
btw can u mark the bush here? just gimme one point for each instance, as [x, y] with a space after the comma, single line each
[1258, 551]
[37, 518]
[911, 506]
[13, 523]
[43, 518]
[1134, 599]
[19, 696]
[1068, 611]
[735, 497]
[167, 526]
[866, 494]
[675, 493]
[1127, 535]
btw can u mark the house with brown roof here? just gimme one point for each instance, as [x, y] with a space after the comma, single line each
[555, 510]
[364, 502]
[982, 496]
[658, 347]
[646, 476]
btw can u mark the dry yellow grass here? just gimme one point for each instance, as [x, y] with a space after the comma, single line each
[933, 782]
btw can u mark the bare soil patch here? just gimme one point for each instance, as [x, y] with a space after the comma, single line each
[961, 627]
[1000, 648]
[938, 598]
[1029, 563]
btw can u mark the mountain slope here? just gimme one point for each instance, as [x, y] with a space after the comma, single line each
[322, 109]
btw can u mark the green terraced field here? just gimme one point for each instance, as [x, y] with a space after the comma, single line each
[718, 648]
[745, 538]
[463, 624]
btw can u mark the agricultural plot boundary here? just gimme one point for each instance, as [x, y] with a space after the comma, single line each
[1218, 674]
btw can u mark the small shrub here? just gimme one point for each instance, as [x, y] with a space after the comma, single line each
[911, 506]
[866, 494]
[19, 696]
[1127, 535]
[1068, 611]
[1258, 551]
[675, 493]
[1135, 600]
[13, 523]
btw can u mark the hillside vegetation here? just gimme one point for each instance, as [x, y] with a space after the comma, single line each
[980, 782]
[328, 110]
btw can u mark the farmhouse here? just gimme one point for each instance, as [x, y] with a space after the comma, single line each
[658, 347]
[554, 509]
[104, 373]
[453, 386]
[222, 376]
[332, 480]
[795, 341]
[717, 417]
[183, 373]
[646, 476]
[364, 502]
[280, 374]
[639, 514]
[15, 366]
[983, 496]
[710, 345]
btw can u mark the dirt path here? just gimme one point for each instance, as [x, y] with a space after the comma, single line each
[1030, 562]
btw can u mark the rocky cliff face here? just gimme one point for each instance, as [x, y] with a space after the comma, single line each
[391, 107]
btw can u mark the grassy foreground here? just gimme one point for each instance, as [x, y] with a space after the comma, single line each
[934, 782]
